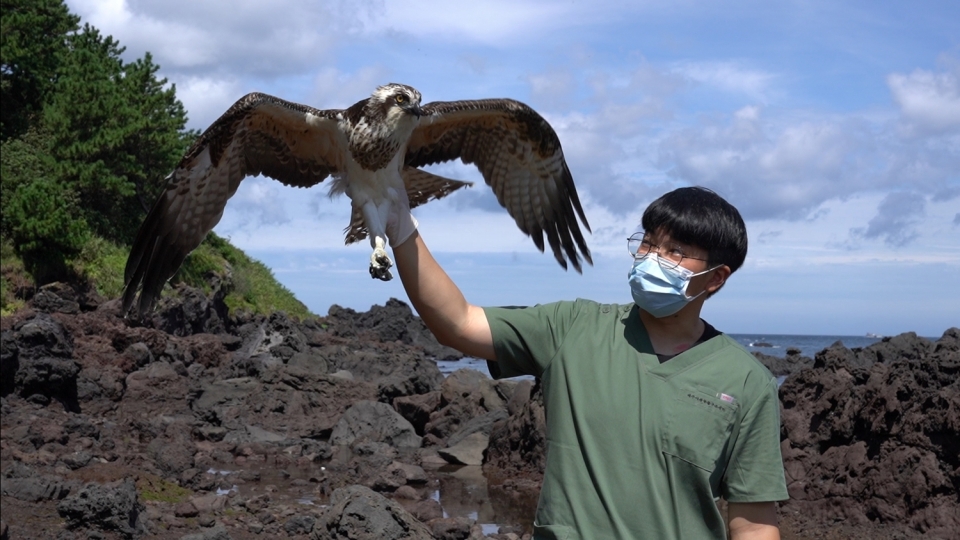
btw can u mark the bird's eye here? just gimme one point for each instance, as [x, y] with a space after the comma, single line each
[401, 98]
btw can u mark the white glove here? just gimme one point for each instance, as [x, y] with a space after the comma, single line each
[400, 223]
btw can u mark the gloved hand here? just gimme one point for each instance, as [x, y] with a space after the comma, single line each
[400, 222]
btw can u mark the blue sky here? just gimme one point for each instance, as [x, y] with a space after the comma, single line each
[833, 126]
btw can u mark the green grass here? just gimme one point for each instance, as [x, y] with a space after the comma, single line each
[101, 262]
[152, 488]
[12, 276]
[255, 289]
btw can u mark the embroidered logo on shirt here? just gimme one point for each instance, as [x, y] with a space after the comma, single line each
[704, 401]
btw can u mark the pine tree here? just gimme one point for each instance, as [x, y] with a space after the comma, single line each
[116, 132]
[32, 44]
[39, 215]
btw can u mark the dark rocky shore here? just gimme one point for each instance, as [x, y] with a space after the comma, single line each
[200, 425]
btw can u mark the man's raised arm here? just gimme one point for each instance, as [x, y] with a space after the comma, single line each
[443, 308]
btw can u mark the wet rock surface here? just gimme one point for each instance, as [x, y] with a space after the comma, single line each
[199, 424]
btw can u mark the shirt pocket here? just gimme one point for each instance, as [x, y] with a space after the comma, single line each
[697, 428]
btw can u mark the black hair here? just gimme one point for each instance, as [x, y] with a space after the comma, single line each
[699, 217]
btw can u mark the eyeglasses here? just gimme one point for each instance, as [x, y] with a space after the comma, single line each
[669, 255]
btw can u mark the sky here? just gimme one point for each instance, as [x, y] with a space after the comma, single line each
[833, 126]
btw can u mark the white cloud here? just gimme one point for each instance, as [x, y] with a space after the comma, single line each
[335, 89]
[730, 76]
[224, 36]
[206, 98]
[769, 170]
[257, 203]
[929, 102]
[641, 91]
[554, 89]
[496, 23]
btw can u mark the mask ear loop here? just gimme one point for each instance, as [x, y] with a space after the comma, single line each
[707, 270]
[690, 298]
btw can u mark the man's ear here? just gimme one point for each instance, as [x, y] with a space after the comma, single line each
[717, 279]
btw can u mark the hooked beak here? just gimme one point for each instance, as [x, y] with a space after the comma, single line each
[412, 108]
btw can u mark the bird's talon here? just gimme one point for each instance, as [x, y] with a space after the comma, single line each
[380, 265]
[381, 273]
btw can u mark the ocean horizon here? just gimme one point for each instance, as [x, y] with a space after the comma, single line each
[809, 345]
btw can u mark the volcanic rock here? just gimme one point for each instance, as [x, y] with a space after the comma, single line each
[217, 532]
[177, 400]
[302, 524]
[517, 444]
[451, 528]
[871, 438]
[109, 507]
[417, 408]
[34, 488]
[467, 396]
[788, 365]
[359, 513]
[393, 321]
[377, 422]
[190, 311]
[38, 364]
[468, 451]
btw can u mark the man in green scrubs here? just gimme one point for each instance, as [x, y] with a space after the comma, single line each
[652, 414]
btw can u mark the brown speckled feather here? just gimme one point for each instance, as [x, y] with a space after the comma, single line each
[259, 134]
[519, 156]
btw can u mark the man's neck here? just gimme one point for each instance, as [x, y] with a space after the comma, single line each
[673, 334]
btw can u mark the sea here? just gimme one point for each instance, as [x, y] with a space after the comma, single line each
[770, 344]
[809, 345]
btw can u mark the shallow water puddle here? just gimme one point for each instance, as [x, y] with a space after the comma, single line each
[462, 491]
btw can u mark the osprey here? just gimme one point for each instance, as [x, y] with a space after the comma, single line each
[373, 151]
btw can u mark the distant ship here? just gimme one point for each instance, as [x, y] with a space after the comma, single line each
[872, 335]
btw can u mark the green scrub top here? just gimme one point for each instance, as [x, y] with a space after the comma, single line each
[636, 448]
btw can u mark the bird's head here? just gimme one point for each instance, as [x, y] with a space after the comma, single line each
[398, 103]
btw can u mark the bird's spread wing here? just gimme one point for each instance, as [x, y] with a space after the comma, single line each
[259, 134]
[519, 156]
[421, 187]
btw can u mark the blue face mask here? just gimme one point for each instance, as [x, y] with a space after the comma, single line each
[658, 291]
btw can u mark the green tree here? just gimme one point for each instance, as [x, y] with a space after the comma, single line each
[159, 136]
[45, 227]
[32, 44]
[40, 215]
[116, 132]
[22, 160]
